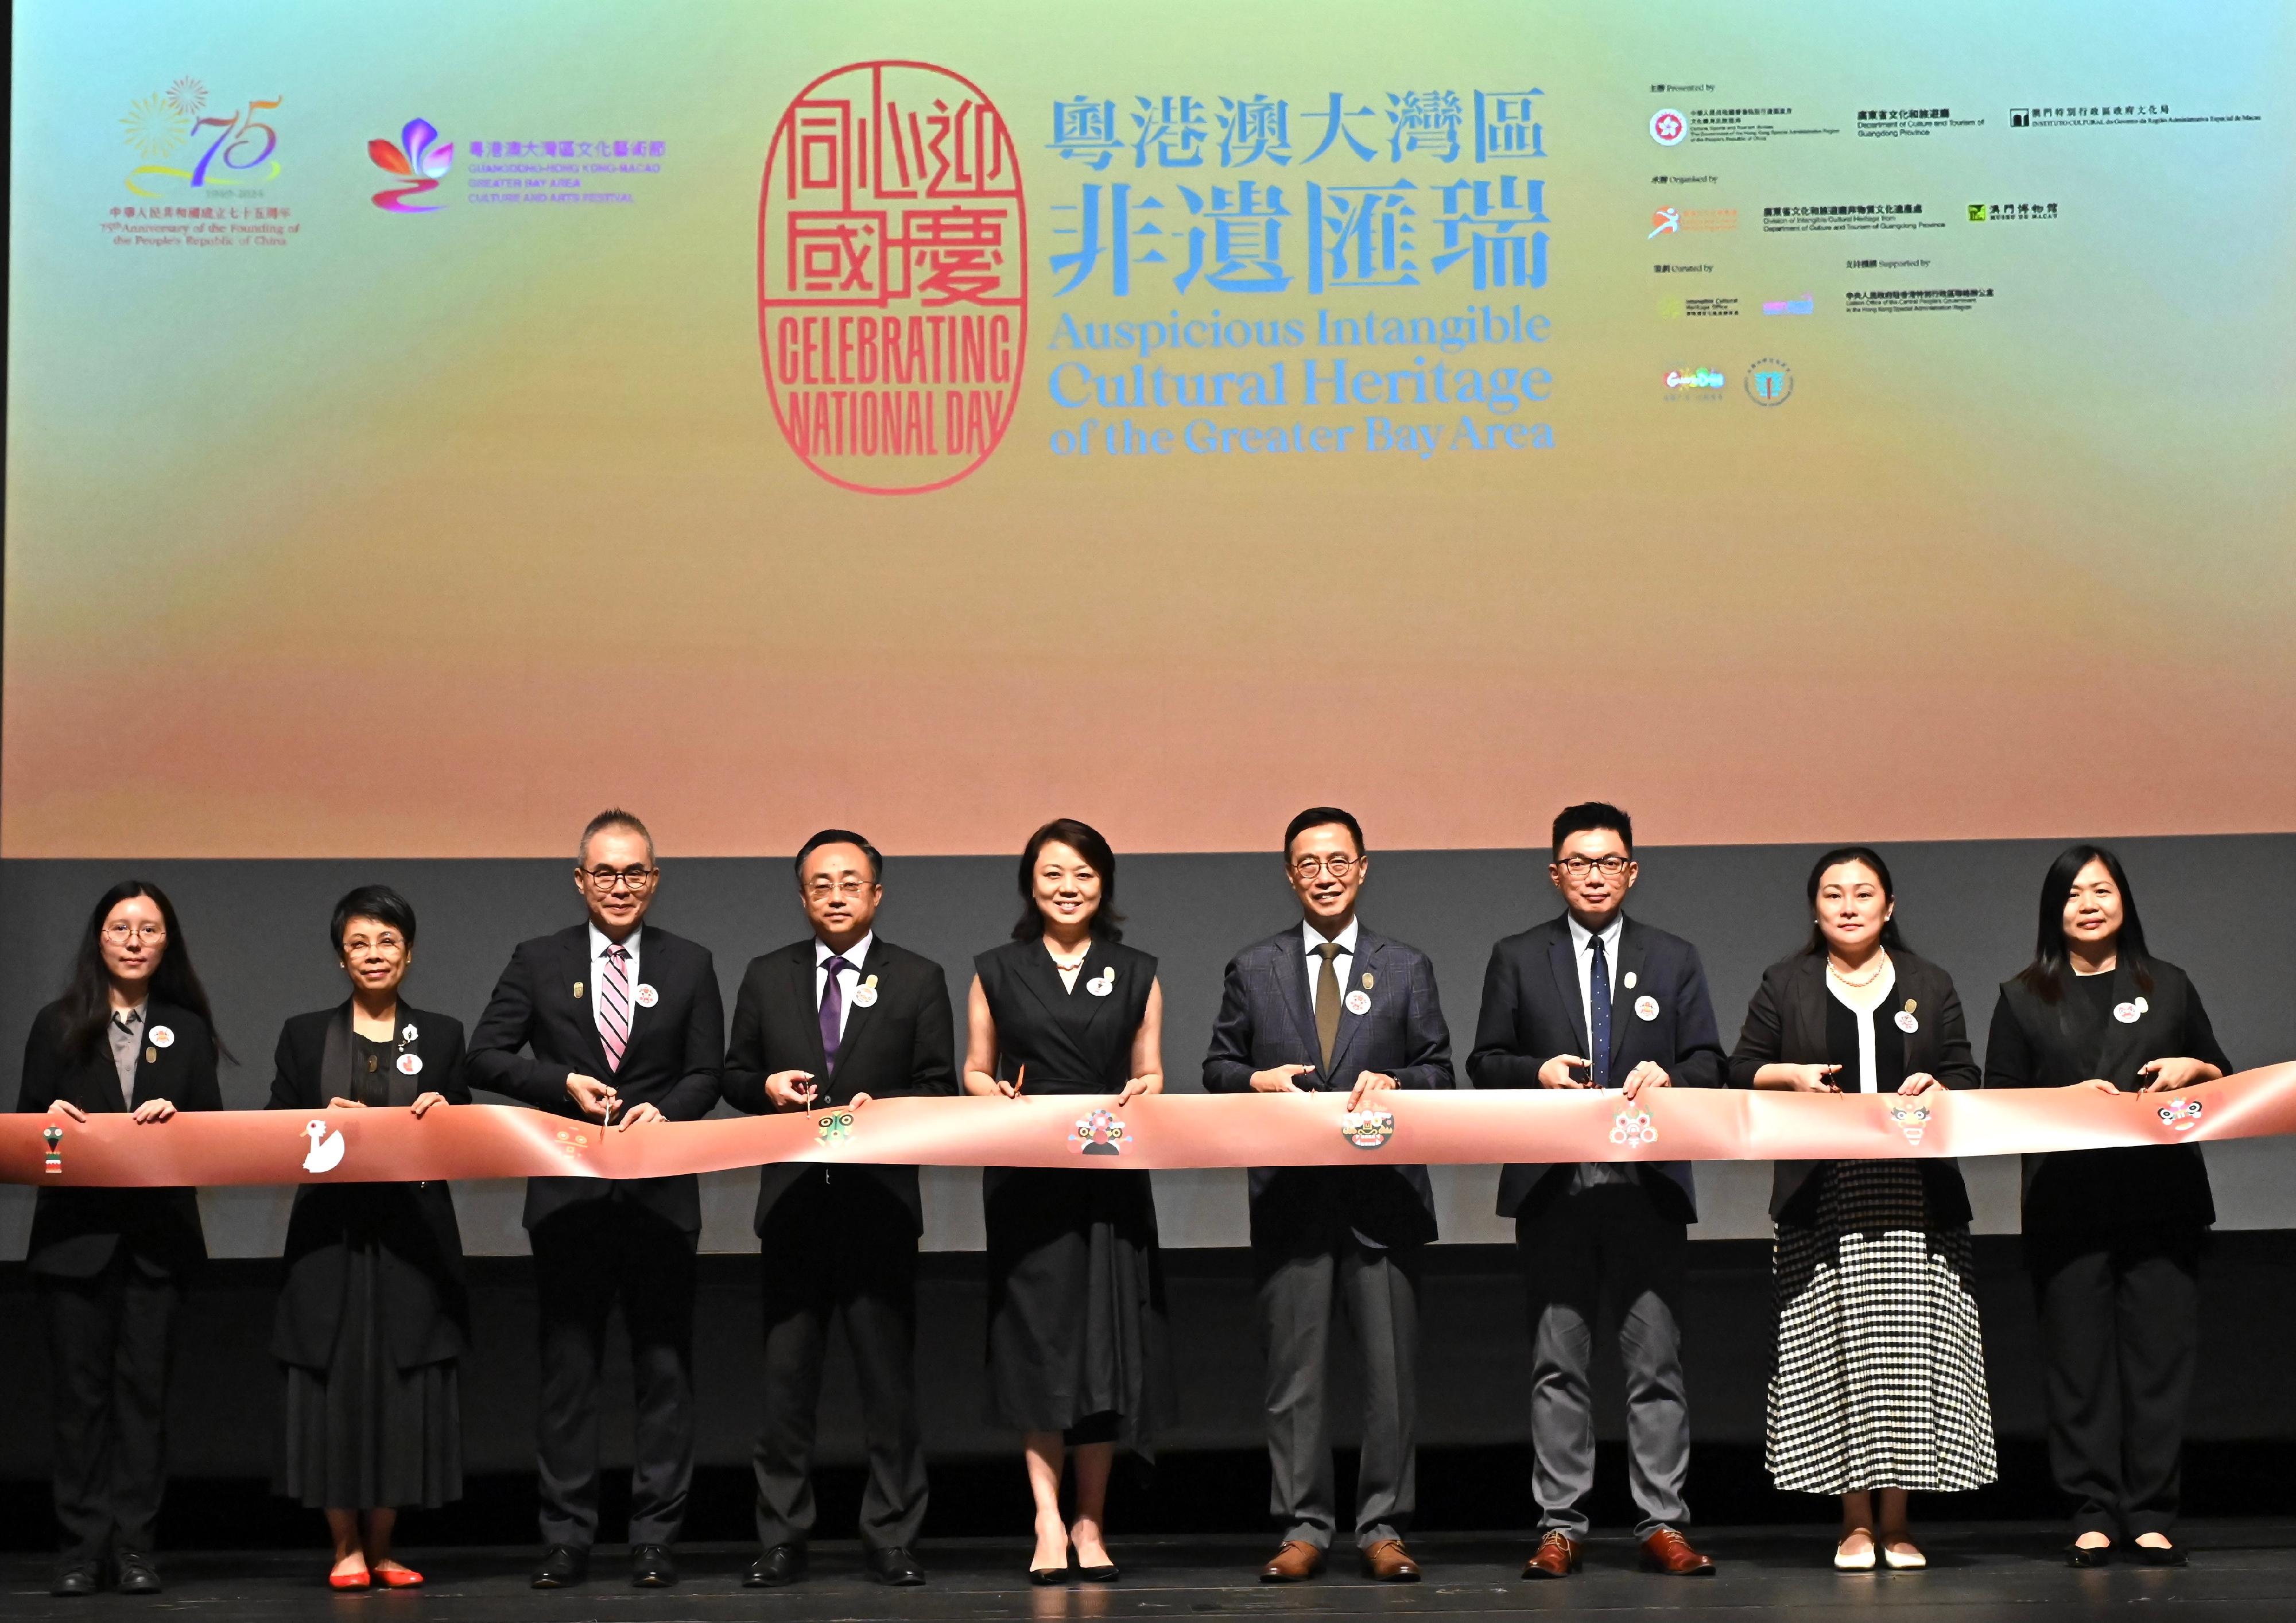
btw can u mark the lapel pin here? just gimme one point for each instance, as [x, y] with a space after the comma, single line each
[578, 988]
[1911, 1005]
[406, 1033]
[150, 1056]
[1369, 981]
[1630, 980]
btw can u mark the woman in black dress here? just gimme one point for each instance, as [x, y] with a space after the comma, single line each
[1076, 1352]
[373, 1314]
[131, 1034]
[2113, 1237]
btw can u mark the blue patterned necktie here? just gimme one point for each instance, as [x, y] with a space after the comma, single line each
[1598, 1000]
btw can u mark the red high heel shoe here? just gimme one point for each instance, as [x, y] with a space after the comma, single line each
[399, 1578]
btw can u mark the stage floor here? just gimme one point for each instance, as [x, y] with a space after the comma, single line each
[2240, 1570]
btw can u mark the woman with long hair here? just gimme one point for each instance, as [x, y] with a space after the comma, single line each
[132, 1034]
[2113, 1237]
[1880, 1386]
[1066, 1021]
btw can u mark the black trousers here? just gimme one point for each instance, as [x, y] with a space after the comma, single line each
[585, 1258]
[2119, 1337]
[108, 1350]
[838, 1244]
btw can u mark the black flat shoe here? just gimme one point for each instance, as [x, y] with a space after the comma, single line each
[2088, 1555]
[135, 1574]
[1106, 1574]
[2153, 1555]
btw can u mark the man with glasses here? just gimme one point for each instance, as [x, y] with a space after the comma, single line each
[1328, 1006]
[1595, 999]
[622, 1027]
[837, 1020]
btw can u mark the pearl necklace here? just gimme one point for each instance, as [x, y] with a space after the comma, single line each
[1872, 976]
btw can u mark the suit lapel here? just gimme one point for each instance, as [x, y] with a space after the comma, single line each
[1291, 984]
[642, 1015]
[336, 1079]
[1099, 963]
[1369, 959]
[1806, 1033]
[575, 969]
[1563, 961]
[801, 967]
[1634, 947]
[155, 1065]
[858, 1016]
[2117, 1043]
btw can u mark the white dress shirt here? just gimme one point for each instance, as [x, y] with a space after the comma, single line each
[125, 1029]
[1345, 940]
[599, 942]
[848, 977]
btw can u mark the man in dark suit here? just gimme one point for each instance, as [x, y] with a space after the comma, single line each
[623, 1025]
[1594, 999]
[840, 1019]
[1326, 1005]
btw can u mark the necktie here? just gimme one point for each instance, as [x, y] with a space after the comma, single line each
[1327, 1000]
[1598, 1000]
[832, 1008]
[614, 1005]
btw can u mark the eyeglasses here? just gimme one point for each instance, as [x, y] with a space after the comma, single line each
[122, 934]
[1338, 867]
[1579, 867]
[823, 890]
[384, 943]
[610, 880]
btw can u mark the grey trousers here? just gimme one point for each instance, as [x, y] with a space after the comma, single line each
[1610, 1239]
[1298, 1294]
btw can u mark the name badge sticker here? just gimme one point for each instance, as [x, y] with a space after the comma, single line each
[1906, 1021]
[646, 995]
[410, 1064]
[1646, 1008]
[865, 996]
[162, 1038]
[2126, 1013]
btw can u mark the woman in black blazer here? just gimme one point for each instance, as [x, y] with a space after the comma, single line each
[373, 1316]
[131, 1034]
[2113, 1237]
[1880, 1375]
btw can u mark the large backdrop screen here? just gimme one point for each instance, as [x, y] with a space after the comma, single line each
[429, 421]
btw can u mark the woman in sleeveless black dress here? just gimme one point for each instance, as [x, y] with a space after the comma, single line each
[1065, 1020]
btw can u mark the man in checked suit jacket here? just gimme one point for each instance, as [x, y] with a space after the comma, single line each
[1359, 1016]
[1594, 999]
[622, 1024]
[840, 1018]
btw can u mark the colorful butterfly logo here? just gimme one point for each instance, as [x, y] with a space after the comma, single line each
[419, 161]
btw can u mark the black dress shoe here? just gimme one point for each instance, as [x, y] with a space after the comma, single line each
[650, 1567]
[77, 1577]
[2154, 1555]
[2088, 1555]
[561, 1566]
[784, 1563]
[896, 1566]
[133, 1573]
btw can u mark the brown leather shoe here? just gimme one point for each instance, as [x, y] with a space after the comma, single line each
[1296, 1562]
[1668, 1552]
[1557, 1556]
[1389, 1562]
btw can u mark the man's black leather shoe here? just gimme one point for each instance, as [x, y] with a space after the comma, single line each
[563, 1566]
[77, 1577]
[135, 1574]
[896, 1566]
[650, 1567]
[784, 1563]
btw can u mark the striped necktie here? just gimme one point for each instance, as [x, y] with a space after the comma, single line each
[614, 1005]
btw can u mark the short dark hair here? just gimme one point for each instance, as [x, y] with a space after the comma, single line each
[613, 816]
[1589, 816]
[1865, 857]
[1107, 925]
[1319, 816]
[2045, 975]
[380, 903]
[840, 836]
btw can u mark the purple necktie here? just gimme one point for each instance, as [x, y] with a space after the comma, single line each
[832, 1007]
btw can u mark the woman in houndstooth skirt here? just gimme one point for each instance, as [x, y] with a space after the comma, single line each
[1880, 1386]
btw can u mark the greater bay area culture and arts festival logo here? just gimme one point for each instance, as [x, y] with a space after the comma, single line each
[892, 276]
[419, 160]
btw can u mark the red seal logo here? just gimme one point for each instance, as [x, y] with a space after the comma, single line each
[892, 276]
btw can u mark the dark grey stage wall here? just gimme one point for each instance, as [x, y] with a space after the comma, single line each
[2217, 906]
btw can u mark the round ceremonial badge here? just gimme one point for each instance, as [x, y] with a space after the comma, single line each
[409, 1063]
[1646, 1008]
[2126, 1013]
[1905, 1021]
[646, 995]
[865, 996]
[1101, 984]
[1359, 1003]
[161, 1037]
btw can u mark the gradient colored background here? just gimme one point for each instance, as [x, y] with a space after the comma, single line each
[424, 536]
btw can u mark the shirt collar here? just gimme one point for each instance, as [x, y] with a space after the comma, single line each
[1310, 938]
[1581, 935]
[600, 941]
[852, 955]
[134, 1017]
